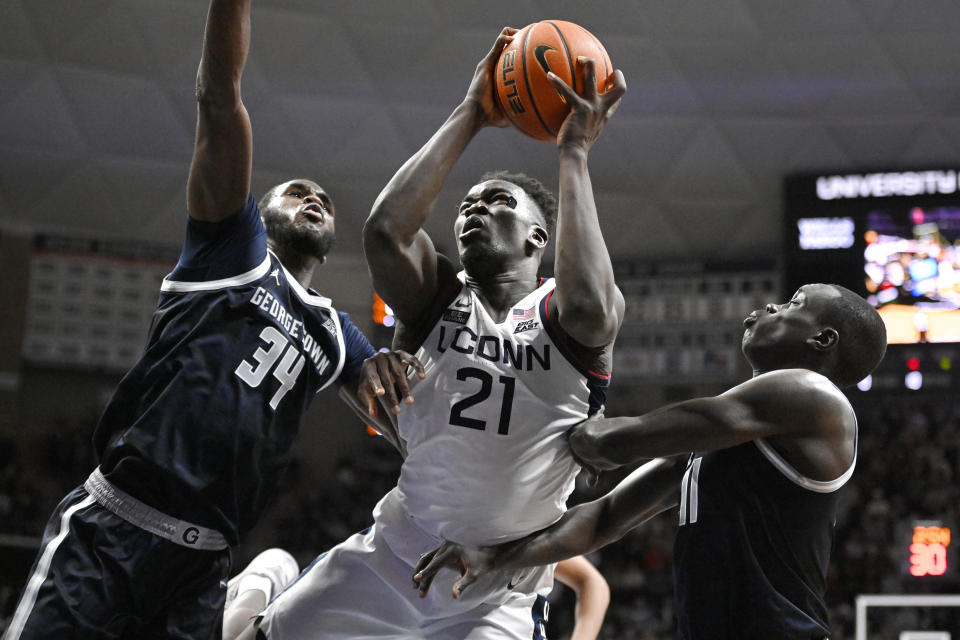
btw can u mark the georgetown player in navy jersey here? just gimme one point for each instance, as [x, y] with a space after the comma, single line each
[513, 361]
[194, 441]
[758, 499]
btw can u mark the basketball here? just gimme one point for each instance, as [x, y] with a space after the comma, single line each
[525, 94]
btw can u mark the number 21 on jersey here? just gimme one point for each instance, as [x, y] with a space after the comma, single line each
[486, 387]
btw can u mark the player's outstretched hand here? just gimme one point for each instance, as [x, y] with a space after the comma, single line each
[590, 112]
[472, 563]
[384, 374]
[483, 86]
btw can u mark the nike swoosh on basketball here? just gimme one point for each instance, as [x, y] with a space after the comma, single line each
[541, 54]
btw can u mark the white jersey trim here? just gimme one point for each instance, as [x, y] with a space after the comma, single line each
[312, 299]
[40, 573]
[818, 486]
[315, 300]
[179, 286]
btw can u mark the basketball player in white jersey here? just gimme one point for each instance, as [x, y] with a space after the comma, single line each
[758, 498]
[512, 362]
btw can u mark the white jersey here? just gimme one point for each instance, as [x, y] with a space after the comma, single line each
[487, 457]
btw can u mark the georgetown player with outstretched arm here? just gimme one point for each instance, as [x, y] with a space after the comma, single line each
[512, 360]
[758, 499]
[192, 445]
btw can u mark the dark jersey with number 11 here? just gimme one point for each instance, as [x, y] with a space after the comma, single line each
[751, 553]
[201, 427]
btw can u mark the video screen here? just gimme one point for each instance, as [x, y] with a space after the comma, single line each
[892, 237]
[912, 272]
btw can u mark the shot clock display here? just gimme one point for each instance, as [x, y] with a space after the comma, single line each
[928, 550]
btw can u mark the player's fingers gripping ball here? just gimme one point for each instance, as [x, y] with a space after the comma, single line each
[525, 94]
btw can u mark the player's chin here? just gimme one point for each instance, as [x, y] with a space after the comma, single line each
[476, 254]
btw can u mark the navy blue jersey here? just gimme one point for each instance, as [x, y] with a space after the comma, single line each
[201, 427]
[751, 553]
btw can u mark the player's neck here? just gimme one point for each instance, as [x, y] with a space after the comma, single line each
[299, 265]
[500, 292]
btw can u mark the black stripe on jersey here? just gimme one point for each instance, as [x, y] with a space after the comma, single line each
[593, 378]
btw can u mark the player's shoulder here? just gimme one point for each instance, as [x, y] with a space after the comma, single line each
[793, 389]
[798, 379]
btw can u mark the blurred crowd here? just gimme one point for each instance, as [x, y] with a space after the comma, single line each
[908, 471]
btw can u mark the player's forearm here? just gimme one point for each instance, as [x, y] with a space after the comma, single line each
[646, 492]
[701, 424]
[574, 534]
[588, 301]
[592, 602]
[404, 204]
[225, 46]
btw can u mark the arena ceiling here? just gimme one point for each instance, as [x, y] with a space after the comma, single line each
[724, 99]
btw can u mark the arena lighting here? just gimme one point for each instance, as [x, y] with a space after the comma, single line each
[866, 384]
[382, 313]
[913, 380]
[945, 363]
[913, 364]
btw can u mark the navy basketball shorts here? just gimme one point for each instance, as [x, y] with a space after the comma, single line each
[98, 576]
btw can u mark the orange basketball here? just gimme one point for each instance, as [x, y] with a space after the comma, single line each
[526, 96]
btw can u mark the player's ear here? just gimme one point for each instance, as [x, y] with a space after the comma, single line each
[538, 236]
[825, 340]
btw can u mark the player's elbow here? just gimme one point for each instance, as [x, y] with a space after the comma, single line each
[590, 443]
[589, 324]
[378, 231]
[217, 98]
[591, 315]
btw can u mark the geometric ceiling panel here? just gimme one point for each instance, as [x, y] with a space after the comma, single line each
[97, 110]
[709, 167]
[17, 36]
[35, 110]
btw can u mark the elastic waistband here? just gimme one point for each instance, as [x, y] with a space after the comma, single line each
[149, 519]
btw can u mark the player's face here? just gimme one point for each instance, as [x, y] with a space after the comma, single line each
[495, 220]
[299, 216]
[781, 331]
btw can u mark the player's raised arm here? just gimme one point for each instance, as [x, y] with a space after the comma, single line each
[795, 403]
[589, 305]
[407, 272]
[220, 172]
[649, 490]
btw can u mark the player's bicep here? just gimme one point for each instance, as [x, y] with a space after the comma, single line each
[787, 402]
[408, 276]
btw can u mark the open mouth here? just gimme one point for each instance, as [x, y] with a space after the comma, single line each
[313, 213]
[471, 227]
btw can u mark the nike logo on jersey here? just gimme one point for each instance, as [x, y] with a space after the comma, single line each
[514, 581]
[276, 275]
[462, 303]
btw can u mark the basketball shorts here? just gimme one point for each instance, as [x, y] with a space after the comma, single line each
[99, 576]
[363, 588]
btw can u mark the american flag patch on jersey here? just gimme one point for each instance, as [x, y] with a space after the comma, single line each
[523, 314]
